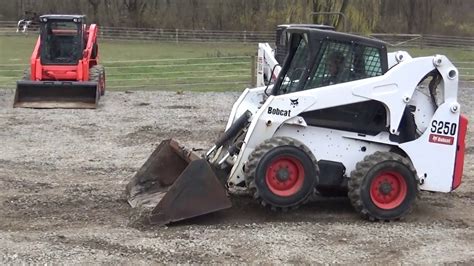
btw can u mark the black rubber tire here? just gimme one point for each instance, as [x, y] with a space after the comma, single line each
[97, 74]
[102, 93]
[27, 74]
[255, 171]
[361, 180]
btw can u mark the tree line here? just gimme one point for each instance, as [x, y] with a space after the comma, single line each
[449, 17]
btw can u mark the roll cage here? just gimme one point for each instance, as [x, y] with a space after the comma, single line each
[62, 40]
[310, 49]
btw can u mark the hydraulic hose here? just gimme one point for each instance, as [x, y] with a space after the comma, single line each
[240, 123]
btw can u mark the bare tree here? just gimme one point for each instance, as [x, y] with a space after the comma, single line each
[135, 9]
[404, 16]
[95, 9]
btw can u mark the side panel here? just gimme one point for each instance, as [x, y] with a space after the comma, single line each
[396, 90]
[250, 100]
[333, 145]
[34, 59]
[433, 153]
[458, 168]
[85, 62]
[273, 113]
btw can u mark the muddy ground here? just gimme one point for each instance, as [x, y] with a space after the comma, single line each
[62, 175]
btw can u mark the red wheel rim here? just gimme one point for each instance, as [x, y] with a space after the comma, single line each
[285, 176]
[388, 190]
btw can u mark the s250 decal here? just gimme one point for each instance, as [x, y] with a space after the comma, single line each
[445, 128]
[443, 132]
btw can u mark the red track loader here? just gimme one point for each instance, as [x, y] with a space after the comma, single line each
[64, 68]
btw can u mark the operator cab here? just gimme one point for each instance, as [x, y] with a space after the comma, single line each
[62, 39]
[318, 58]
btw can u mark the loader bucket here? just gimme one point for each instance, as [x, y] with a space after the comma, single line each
[56, 94]
[177, 184]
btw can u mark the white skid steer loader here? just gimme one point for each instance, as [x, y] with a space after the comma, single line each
[337, 119]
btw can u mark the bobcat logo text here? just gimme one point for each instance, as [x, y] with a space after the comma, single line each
[276, 111]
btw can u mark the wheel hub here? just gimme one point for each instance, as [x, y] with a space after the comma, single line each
[388, 190]
[385, 188]
[284, 176]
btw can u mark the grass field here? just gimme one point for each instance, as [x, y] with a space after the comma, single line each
[177, 66]
[151, 65]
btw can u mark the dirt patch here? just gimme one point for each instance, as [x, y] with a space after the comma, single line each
[63, 173]
[470, 150]
[181, 107]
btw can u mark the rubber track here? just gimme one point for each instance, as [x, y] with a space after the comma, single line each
[95, 73]
[27, 74]
[257, 155]
[357, 176]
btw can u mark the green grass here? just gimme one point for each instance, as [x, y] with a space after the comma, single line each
[226, 65]
[157, 65]
[178, 66]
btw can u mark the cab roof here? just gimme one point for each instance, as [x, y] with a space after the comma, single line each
[319, 34]
[314, 26]
[62, 17]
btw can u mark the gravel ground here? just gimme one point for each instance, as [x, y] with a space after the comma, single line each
[62, 175]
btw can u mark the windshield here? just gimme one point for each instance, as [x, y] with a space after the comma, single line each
[297, 68]
[61, 42]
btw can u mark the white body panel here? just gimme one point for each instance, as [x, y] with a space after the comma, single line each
[278, 115]
[396, 57]
[424, 110]
[250, 99]
[333, 145]
[266, 63]
[434, 162]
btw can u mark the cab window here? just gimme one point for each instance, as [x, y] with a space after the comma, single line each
[297, 68]
[340, 62]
